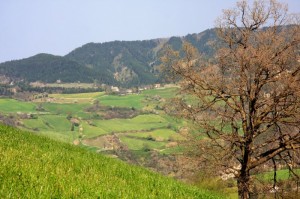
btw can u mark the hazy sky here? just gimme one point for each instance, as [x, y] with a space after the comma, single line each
[29, 27]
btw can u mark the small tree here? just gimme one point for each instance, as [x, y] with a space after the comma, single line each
[248, 100]
[96, 104]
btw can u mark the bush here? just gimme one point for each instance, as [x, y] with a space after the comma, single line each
[146, 148]
[69, 116]
[150, 138]
[33, 116]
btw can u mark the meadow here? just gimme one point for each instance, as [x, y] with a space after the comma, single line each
[122, 101]
[53, 117]
[38, 167]
[70, 85]
[15, 106]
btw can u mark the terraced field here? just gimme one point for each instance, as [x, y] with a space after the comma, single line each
[134, 118]
[123, 101]
[14, 106]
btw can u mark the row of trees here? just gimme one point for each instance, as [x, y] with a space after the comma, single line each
[248, 98]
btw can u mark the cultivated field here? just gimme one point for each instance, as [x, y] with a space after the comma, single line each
[137, 120]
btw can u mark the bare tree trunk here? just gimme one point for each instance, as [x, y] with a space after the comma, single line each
[243, 183]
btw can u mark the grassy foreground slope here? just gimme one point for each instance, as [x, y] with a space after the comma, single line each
[33, 166]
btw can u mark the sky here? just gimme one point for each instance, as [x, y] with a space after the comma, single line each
[29, 27]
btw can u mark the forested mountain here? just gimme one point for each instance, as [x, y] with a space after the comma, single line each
[47, 68]
[123, 63]
[127, 62]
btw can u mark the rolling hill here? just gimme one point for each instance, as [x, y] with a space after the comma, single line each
[36, 167]
[122, 63]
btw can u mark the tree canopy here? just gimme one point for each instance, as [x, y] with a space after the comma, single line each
[247, 101]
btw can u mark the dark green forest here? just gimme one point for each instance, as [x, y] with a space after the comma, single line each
[121, 63]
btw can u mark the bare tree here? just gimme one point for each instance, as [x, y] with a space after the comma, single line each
[248, 101]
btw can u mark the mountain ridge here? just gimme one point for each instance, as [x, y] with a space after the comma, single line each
[121, 63]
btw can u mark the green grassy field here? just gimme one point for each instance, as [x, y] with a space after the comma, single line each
[159, 134]
[138, 144]
[14, 106]
[76, 98]
[282, 174]
[136, 100]
[78, 95]
[54, 126]
[67, 136]
[139, 123]
[49, 123]
[37, 167]
[52, 120]
[92, 131]
[70, 85]
[65, 109]
[163, 92]
[133, 100]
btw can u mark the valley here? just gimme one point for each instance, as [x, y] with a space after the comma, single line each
[132, 127]
[137, 121]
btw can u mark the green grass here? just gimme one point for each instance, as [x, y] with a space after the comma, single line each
[92, 131]
[37, 167]
[133, 100]
[159, 134]
[53, 122]
[71, 85]
[57, 122]
[14, 106]
[138, 144]
[280, 174]
[172, 150]
[78, 95]
[36, 124]
[139, 123]
[54, 126]
[49, 122]
[176, 123]
[65, 109]
[164, 92]
[66, 136]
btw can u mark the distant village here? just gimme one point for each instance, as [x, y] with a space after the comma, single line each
[38, 90]
[107, 88]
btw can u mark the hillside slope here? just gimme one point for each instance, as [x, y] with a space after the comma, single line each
[46, 68]
[37, 167]
[127, 62]
[122, 63]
